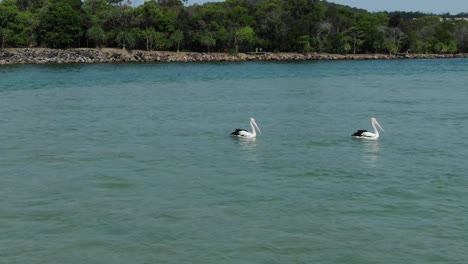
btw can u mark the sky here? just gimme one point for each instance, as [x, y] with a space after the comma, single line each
[425, 6]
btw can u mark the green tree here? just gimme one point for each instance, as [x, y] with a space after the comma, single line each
[305, 15]
[5, 35]
[60, 26]
[341, 18]
[340, 43]
[271, 23]
[8, 16]
[356, 36]
[390, 47]
[75, 4]
[30, 5]
[177, 37]
[304, 44]
[150, 37]
[150, 14]
[208, 40]
[368, 25]
[322, 32]
[416, 44]
[244, 35]
[97, 34]
[171, 3]
[276, 25]
[162, 41]
[445, 38]
[237, 15]
[461, 34]
[421, 32]
[15, 26]
[126, 38]
[95, 7]
[316, 16]
[120, 16]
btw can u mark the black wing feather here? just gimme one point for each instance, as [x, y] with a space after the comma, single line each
[236, 133]
[359, 133]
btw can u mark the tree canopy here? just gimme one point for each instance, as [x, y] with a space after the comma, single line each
[231, 25]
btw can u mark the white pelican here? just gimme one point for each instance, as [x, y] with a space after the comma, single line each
[369, 135]
[242, 133]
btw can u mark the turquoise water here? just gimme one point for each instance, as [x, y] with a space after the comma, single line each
[132, 163]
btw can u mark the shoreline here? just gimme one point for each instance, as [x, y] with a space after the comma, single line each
[11, 56]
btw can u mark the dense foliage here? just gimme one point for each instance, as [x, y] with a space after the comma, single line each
[232, 25]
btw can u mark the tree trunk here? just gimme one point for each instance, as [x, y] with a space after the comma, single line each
[354, 46]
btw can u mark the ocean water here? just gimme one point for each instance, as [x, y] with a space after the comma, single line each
[133, 163]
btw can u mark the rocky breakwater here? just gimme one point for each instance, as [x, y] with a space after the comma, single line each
[54, 56]
[45, 56]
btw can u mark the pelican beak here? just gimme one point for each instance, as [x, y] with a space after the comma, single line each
[256, 126]
[379, 126]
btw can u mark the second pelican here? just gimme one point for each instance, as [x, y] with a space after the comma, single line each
[242, 133]
[369, 135]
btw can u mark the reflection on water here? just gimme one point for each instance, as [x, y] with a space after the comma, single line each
[249, 148]
[371, 152]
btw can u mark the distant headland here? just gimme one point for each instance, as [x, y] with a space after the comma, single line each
[110, 55]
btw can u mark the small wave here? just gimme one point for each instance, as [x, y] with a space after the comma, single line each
[115, 185]
[400, 102]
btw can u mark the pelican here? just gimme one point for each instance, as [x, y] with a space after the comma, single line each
[242, 133]
[369, 135]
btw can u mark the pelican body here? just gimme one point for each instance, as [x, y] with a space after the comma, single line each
[242, 133]
[364, 134]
